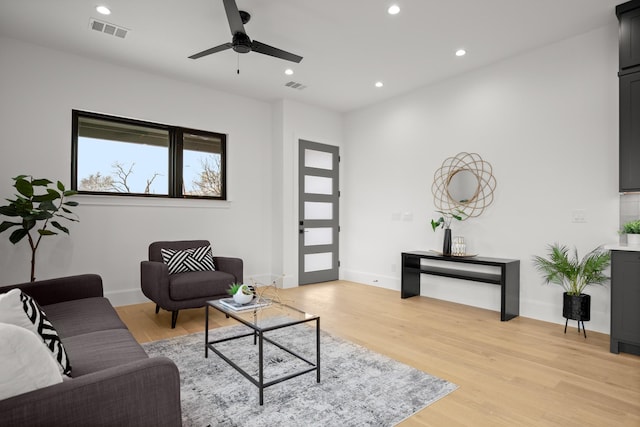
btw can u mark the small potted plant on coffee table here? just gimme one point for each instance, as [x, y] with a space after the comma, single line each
[241, 293]
[574, 275]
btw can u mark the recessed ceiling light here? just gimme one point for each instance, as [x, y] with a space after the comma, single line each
[394, 9]
[461, 52]
[288, 71]
[103, 10]
[379, 84]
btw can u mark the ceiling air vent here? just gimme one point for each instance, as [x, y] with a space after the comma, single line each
[107, 28]
[295, 85]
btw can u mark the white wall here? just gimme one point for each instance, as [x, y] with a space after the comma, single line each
[546, 120]
[39, 89]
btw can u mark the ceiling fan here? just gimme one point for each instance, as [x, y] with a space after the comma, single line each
[241, 42]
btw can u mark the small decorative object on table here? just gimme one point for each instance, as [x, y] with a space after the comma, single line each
[241, 293]
[574, 275]
[459, 248]
[445, 222]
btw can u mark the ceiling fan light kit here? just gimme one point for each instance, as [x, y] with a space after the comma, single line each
[240, 41]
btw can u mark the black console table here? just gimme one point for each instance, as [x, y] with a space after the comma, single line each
[508, 278]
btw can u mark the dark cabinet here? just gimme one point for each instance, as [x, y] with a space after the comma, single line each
[629, 42]
[625, 302]
[630, 132]
[629, 59]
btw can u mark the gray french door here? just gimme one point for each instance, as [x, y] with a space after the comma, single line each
[318, 212]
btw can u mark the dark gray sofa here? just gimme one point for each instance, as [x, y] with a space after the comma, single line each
[113, 381]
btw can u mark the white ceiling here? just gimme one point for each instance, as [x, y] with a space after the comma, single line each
[347, 45]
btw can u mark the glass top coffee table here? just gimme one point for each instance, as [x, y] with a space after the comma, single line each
[260, 321]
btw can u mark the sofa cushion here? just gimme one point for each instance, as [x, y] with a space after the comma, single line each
[198, 284]
[18, 308]
[26, 364]
[84, 315]
[192, 259]
[100, 350]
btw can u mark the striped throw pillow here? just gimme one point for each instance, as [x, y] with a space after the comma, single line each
[192, 259]
[18, 308]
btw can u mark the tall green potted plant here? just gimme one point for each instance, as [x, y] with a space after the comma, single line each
[574, 275]
[36, 212]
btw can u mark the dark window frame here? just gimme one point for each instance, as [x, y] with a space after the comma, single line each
[175, 156]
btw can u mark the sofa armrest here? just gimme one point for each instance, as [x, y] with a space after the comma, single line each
[61, 289]
[141, 393]
[230, 265]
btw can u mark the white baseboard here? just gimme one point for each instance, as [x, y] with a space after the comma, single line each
[386, 282]
[128, 297]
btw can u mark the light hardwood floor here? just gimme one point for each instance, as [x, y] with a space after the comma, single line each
[522, 372]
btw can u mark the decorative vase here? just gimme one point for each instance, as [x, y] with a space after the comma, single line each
[576, 307]
[242, 298]
[446, 246]
[633, 239]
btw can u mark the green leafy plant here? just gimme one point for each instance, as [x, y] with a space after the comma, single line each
[445, 220]
[631, 227]
[572, 273]
[36, 212]
[235, 287]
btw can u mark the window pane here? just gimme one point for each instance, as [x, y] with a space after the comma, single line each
[122, 158]
[202, 168]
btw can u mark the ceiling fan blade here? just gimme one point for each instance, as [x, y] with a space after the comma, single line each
[233, 16]
[265, 49]
[210, 51]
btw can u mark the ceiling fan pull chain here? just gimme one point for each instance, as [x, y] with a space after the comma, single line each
[238, 63]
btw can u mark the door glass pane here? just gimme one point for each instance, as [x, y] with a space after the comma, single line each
[318, 185]
[318, 159]
[318, 210]
[317, 262]
[318, 236]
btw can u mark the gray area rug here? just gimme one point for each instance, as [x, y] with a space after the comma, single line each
[357, 387]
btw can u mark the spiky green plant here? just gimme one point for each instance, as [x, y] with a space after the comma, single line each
[572, 273]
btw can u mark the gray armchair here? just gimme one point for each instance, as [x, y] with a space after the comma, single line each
[192, 289]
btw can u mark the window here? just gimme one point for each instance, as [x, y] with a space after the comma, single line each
[113, 155]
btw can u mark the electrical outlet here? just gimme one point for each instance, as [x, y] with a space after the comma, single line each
[578, 216]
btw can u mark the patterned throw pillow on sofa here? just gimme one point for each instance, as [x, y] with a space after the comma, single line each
[18, 308]
[192, 259]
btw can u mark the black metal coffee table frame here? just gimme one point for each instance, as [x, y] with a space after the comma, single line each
[259, 338]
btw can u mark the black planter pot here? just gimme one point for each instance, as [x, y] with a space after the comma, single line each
[576, 307]
[446, 245]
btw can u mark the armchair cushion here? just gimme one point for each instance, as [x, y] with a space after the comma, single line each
[192, 259]
[198, 284]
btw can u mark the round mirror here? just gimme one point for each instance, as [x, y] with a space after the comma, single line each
[464, 183]
[463, 186]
